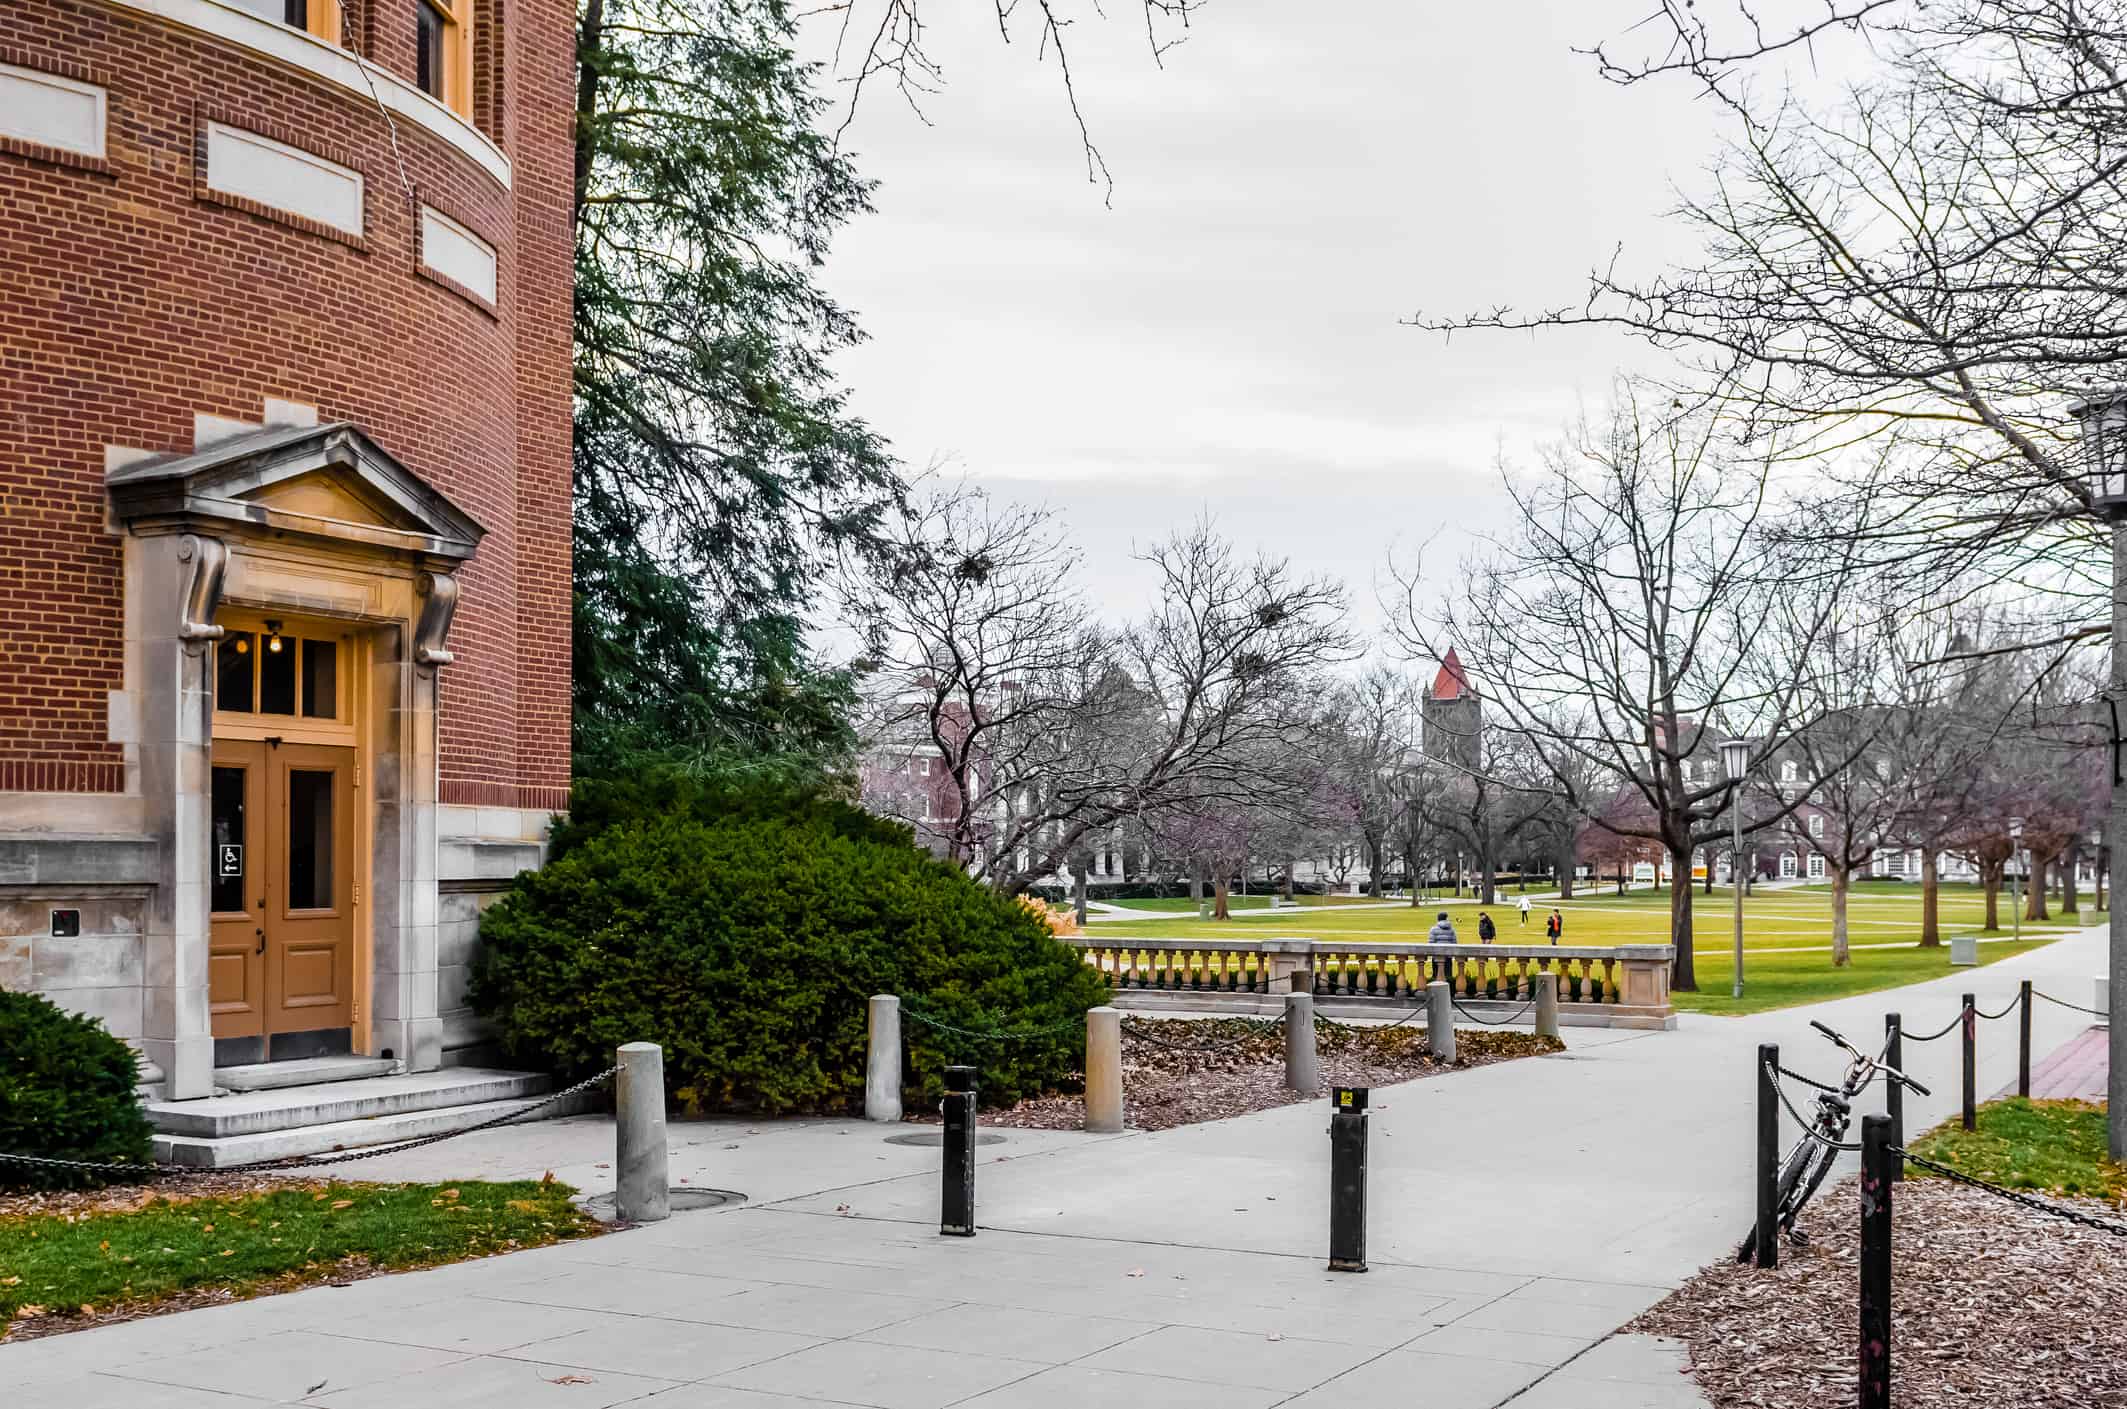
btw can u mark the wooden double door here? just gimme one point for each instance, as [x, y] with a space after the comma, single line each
[282, 889]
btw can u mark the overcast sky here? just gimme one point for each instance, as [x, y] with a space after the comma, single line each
[1224, 335]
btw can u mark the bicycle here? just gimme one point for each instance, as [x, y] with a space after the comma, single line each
[1814, 1154]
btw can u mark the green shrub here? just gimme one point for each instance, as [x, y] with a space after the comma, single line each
[66, 1092]
[747, 947]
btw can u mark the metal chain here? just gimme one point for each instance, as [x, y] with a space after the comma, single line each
[2118, 1230]
[1916, 1037]
[1412, 1016]
[1514, 1016]
[1075, 1024]
[186, 1171]
[2076, 1007]
[1808, 1081]
[1809, 1127]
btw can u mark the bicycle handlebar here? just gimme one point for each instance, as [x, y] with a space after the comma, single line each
[1875, 1063]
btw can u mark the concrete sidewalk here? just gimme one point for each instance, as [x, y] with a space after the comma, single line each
[1519, 1213]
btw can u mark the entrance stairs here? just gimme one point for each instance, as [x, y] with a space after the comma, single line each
[279, 1110]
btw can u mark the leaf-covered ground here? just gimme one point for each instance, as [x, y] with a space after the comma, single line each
[1180, 1072]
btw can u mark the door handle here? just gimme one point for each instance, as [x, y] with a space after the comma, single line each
[261, 941]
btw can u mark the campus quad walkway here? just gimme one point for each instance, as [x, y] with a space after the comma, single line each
[1519, 1214]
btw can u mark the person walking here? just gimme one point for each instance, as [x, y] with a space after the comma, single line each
[1524, 908]
[1486, 930]
[1555, 926]
[1442, 932]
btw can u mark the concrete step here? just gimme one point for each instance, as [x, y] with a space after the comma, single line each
[334, 1103]
[311, 1071]
[200, 1153]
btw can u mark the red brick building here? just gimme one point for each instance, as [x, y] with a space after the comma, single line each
[284, 510]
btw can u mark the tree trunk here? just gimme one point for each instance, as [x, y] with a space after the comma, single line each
[1930, 895]
[1565, 877]
[1220, 886]
[1196, 879]
[1376, 854]
[1490, 877]
[1990, 883]
[1683, 978]
[1078, 888]
[1709, 873]
[2035, 890]
[1290, 866]
[1842, 952]
[2071, 856]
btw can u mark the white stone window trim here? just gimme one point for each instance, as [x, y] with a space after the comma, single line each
[312, 55]
[459, 257]
[252, 166]
[24, 126]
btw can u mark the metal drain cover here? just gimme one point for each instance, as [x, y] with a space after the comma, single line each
[688, 1200]
[937, 1137]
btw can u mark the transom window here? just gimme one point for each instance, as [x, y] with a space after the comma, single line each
[270, 672]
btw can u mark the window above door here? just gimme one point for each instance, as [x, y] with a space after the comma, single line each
[278, 672]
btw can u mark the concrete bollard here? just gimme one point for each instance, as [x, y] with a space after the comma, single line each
[882, 1066]
[1547, 1004]
[1440, 1019]
[1303, 1072]
[641, 1189]
[1104, 1071]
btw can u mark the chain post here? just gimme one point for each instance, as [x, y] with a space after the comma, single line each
[956, 1208]
[1894, 1091]
[1347, 1179]
[1969, 1042]
[1875, 1359]
[2023, 1039]
[1768, 1156]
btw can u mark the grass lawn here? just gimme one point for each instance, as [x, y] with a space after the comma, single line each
[1786, 935]
[81, 1264]
[2055, 1146]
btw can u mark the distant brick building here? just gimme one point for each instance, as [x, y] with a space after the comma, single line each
[284, 509]
[1453, 718]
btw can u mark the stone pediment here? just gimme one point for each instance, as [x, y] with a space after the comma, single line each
[329, 482]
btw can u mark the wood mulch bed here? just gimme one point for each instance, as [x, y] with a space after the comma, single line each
[1179, 1072]
[1992, 1305]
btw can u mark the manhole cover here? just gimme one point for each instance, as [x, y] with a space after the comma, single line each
[600, 1206]
[937, 1137]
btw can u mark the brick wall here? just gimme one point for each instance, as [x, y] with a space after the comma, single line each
[132, 303]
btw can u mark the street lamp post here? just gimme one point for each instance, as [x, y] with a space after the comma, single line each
[2103, 419]
[2016, 898]
[1735, 761]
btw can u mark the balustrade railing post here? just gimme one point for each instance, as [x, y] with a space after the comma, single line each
[1440, 1021]
[1968, 1026]
[1104, 1071]
[1894, 1091]
[1876, 1160]
[2023, 1039]
[1302, 1070]
[1767, 1239]
[882, 1065]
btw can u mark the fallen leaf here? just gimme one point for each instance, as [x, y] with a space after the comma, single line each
[1135, 1272]
[571, 1380]
[343, 1203]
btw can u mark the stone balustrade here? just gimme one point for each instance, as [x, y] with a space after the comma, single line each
[1622, 985]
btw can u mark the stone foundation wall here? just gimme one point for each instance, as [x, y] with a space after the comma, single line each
[100, 972]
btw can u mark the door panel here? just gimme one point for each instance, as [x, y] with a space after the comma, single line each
[310, 927]
[280, 878]
[236, 885]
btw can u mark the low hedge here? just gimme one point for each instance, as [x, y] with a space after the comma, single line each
[66, 1092]
[748, 944]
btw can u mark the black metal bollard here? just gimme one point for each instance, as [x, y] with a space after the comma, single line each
[1970, 1037]
[956, 1207]
[2023, 1039]
[1347, 1179]
[1876, 1161]
[1768, 1156]
[1894, 1091]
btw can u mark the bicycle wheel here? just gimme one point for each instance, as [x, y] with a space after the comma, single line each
[1791, 1209]
[1783, 1191]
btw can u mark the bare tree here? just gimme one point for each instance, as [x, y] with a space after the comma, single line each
[1641, 610]
[1053, 732]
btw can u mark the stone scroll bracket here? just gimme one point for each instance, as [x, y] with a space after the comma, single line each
[206, 561]
[439, 603]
